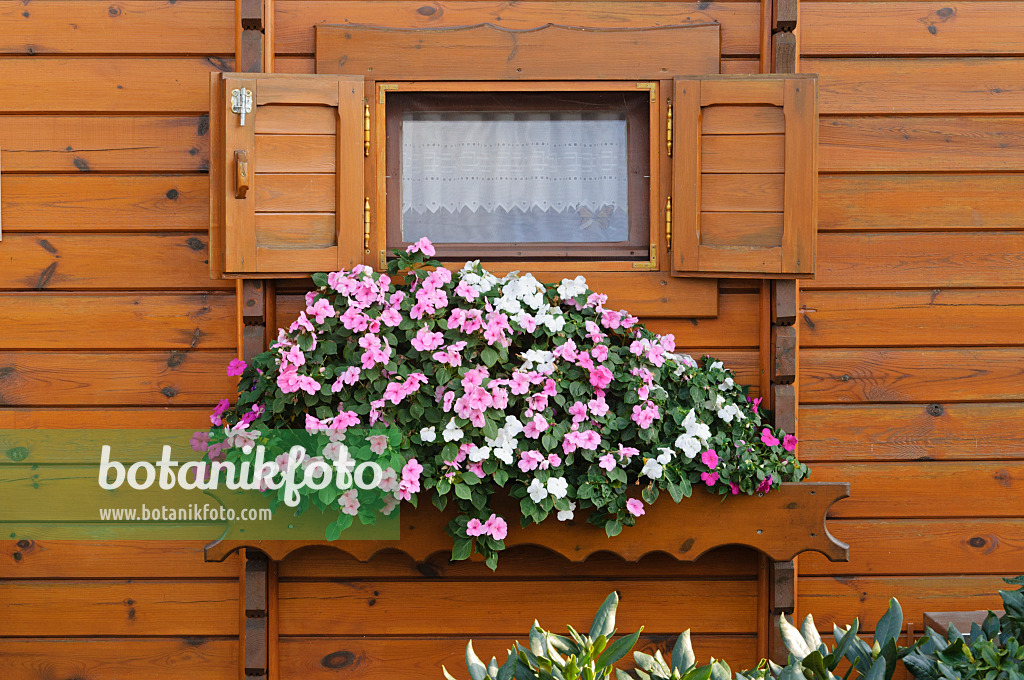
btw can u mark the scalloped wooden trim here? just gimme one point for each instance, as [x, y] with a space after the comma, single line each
[780, 524]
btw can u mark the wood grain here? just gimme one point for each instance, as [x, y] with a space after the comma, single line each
[909, 201]
[937, 431]
[295, 193]
[130, 26]
[101, 608]
[906, 260]
[28, 558]
[927, 489]
[69, 262]
[919, 144]
[911, 375]
[741, 193]
[398, 608]
[114, 379]
[923, 318]
[160, 85]
[104, 202]
[912, 28]
[295, 19]
[966, 546]
[106, 321]
[295, 153]
[126, 417]
[157, 659]
[315, 658]
[940, 85]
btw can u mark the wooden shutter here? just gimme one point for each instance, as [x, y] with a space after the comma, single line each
[744, 175]
[302, 144]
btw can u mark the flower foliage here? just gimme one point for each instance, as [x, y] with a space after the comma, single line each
[492, 383]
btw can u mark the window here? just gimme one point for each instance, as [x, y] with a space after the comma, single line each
[540, 175]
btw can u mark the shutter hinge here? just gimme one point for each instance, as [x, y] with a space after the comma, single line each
[366, 225]
[382, 260]
[366, 130]
[668, 223]
[668, 130]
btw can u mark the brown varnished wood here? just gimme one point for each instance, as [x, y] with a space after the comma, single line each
[296, 193]
[118, 321]
[120, 608]
[918, 143]
[81, 144]
[148, 378]
[323, 658]
[546, 51]
[214, 658]
[977, 546]
[912, 318]
[295, 154]
[911, 375]
[108, 84]
[29, 557]
[54, 261]
[911, 28]
[742, 153]
[908, 432]
[905, 260]
[795, 509]
[90, 202]
[97, 418]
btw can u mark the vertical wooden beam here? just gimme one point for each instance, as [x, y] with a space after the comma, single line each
[253, 647]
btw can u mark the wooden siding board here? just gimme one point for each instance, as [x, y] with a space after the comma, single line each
[128, 417]
[27, 557]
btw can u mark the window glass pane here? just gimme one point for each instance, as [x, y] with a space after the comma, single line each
[515, 177]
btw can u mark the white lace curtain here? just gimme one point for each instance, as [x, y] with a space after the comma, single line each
[524, 161]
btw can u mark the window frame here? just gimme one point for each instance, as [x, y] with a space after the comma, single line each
[655, 121]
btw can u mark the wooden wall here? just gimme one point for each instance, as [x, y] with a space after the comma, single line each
[109, 316]
[912, 372]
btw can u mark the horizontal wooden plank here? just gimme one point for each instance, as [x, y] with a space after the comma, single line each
[97, 202]
[966, 546]
[740, 65]
[114, 379]
[105, 321]
[295, 19]
[917, 375]
[741, 193]
[750, 154]
[296, 230]
[79, 144]
[130, 26]
[157, 659]
[296, 120]
[927, 489]
[502, 607]
[937, 431]
[908, 260]
[911, 28]
[840, 600]
[911, 318]
[760, 230]
[309, 658]
[916, 144]
[102, 418]
[160, 85]
[531, 562]
[295, 153]
[27, 557]
[99, 608]
[918, 202]
[941, 85]
[735, 326]
[295, 193]
[743, 120]
[89, 261]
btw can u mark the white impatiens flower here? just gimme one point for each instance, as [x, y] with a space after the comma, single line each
[566, 515]
[558, 487]
[537, 491]
[452, 433]
[726, 385]
[730, 412]
[653, 467]
[428, 434]
[542, 360]
[718, 364]
[695, 429]
[479, 453]
[504, 454]
[690, 446]
[570, 288]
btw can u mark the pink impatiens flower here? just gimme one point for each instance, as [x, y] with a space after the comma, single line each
[789, 442]
[236, 367]
[496, 527]
[426, 341]
[349, 502]
[768, 438]
[475, 528]
[709, 478]
[379, 444]
[607, 462]
[320, 310]
[710, 458]
[635, 507]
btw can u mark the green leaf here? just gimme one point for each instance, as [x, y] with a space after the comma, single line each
[683, 657]
[461, 549]
[476, 667]
[604, 620]
[792, 638]
[618, 649]
[320, 279]
[613, 528]
[891, 624]
[488, 356]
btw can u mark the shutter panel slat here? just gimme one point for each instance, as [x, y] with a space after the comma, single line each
[304, 146]
[745, 176]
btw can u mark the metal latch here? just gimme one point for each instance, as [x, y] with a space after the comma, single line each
[241, 102]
